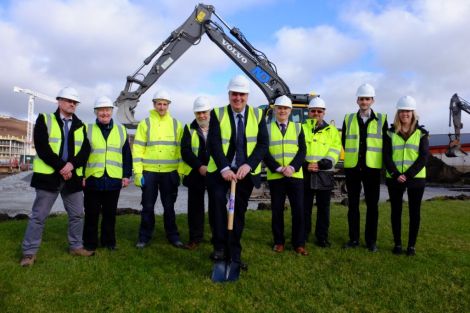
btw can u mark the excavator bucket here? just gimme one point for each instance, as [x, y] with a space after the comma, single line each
[125, 113]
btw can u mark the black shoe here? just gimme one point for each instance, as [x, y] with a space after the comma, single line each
[411, 251]
[397, 249]
[243, 266]
[178, 244]
[323, 243]
[372, 248]
[217, 255]
[351, 244]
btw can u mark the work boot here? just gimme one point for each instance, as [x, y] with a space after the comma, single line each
[81, 252]
[27, 260]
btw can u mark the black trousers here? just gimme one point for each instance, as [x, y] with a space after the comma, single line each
[218, 190]
[292, 188]
[96, 202]
[415, 195]
[323, 211]
[167, 184]
[197, 186]
[370, 179]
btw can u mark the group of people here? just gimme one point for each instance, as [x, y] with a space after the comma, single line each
[88, 164]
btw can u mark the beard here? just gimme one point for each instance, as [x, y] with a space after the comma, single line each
[203, 124]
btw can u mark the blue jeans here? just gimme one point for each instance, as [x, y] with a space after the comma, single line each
[167, 184]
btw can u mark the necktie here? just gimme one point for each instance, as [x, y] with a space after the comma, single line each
[65, 153]
[283, 129]
[240, 145]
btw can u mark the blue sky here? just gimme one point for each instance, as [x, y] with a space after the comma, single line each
[330, 47]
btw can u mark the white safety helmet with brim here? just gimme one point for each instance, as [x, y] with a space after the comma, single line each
[406, 103]
[365, 90]
[239, 83]
[283, 101]
[201, 104]
[161, 95]
[103, 102]
[68, 93]
[317, 102]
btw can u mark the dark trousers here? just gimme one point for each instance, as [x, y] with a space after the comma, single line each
[370, 179]
[292, 188]
[196, 190]
[167, 184]
[218, 190]
[415, 195]
[323, 211]
[96, 202]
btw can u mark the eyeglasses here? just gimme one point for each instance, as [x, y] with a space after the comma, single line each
[316, 111]
[365, 98]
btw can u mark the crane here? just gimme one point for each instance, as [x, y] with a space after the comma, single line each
[32, 96]
[456, 106]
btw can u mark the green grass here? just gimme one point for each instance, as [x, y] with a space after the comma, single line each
[161, 278]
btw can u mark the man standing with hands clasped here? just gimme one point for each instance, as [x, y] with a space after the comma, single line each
[62, 150]
[238, 141]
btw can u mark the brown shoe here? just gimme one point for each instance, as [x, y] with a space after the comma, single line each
[301, 251]
[28, 260]
[278, 248]
[81, 252]
[192, 245]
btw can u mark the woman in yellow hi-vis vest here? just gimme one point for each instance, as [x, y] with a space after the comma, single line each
[108, 169]
[406, 148]
[362, 134]
[284, 160]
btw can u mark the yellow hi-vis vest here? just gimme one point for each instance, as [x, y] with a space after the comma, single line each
[157, 144]
[406, 152]
[55, 141]
[185, 169]
[105, 154]
[284, 149]
[374, 141]
[324, 144]
[251, 133]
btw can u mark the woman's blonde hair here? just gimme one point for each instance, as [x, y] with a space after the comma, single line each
[399, 127]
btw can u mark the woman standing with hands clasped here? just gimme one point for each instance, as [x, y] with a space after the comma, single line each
[406, 148]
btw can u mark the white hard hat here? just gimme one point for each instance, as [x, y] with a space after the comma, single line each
[365, 90]
[239, 83]
[68, 93]
[103, 102]
[161, 95]
[317, 102]
[201, 104]
[284, 101]
[406, 103]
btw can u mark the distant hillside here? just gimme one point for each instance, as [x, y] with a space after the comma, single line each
[12, 127]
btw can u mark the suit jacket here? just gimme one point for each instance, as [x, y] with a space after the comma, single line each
[214, 141]
[44, 151]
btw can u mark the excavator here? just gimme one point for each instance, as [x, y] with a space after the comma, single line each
[456, 106]
[251, 61]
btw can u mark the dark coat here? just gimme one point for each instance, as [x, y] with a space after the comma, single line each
[215, 144]
[195, 162]
[44, 152]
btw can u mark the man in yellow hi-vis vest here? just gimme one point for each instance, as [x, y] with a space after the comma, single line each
[62, 150]
[156, 159]
[284, 160]
[362, 139]
[238, 141]
[195, 155]
[108, 169]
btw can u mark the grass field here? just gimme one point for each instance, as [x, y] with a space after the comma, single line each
[161, 278]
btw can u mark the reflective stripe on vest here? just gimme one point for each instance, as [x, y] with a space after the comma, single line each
[406, 152]
[55, 140]
[324, 144]
[185, 168]
[283, 149]
[373, 141]
[251, 133]
[105, 154]
[161, 147]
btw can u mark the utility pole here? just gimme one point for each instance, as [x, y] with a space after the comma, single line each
[29, 128]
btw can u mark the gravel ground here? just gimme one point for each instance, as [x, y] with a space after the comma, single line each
[16, 196]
